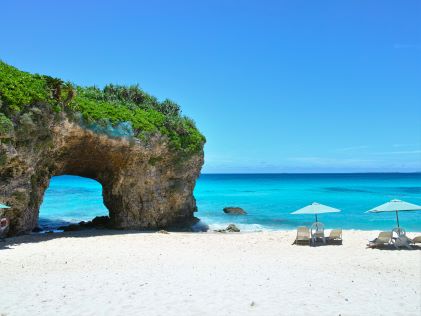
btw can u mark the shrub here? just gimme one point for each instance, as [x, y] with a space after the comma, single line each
[18, 88]
[104, 110]
[6, 125]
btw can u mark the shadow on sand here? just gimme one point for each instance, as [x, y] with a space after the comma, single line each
[393, 248]
[11, 242]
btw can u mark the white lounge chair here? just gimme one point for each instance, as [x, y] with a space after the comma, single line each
[416, 240]
[303, 236]
[384, 239]
[317, 232]
[335, 236]
[402, 241]
[398, 231]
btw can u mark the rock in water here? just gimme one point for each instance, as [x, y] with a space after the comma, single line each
[101, 222]
[37, 229]
[234, 211]
[232, 229]
[70, 228]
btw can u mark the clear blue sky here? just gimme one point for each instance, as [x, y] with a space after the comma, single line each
[276, 86]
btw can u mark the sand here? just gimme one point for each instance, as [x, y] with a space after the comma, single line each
[115, 273]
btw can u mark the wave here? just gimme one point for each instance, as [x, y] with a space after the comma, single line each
[411, 190]
[242, 227]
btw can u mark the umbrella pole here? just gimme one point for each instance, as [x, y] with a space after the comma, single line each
[316, 218]
[397, 218]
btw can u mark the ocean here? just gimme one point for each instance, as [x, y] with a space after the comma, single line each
[268, 199]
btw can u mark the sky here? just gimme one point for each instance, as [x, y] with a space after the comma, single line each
[275, 86]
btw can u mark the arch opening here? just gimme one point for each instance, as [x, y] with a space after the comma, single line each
[70, 200]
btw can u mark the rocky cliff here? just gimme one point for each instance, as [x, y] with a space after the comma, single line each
[147, 177]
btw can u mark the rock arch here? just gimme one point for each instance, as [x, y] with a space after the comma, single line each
[145, 184]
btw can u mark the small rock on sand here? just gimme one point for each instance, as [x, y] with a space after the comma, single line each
[231, 228]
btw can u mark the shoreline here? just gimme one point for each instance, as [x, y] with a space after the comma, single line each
[182, 273]
[213, 227]
[101, 232]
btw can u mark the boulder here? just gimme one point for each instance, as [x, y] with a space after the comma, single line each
[37, 229]
[234, 210]
[98, 222]
[231, 228]
[70, 228]
[101, 222]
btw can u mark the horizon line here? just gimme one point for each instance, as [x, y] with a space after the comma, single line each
[370, 172]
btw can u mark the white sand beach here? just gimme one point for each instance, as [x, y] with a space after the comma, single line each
[115, 273]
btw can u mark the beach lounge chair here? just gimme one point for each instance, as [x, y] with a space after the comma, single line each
[335, 236]
[303, 236]
[384, 239]
[402, 241]
[318, 232]
[416, 240]
[399, 231]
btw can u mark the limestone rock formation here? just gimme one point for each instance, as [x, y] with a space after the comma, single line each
[147, 184]
[144, 184]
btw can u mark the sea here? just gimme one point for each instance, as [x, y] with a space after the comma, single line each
[268, 199]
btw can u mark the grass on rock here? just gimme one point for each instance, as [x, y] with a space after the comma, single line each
[110, 106]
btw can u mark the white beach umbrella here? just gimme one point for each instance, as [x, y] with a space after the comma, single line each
[316, 208]
[3, 206]
[395, 206]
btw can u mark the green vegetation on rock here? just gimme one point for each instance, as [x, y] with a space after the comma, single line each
[110, 106]
[6, 125]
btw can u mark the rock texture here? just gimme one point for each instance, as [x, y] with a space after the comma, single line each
[234, 211]
[145, 184]
[231, 228]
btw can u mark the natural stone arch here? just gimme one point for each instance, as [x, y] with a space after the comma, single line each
[145, 184]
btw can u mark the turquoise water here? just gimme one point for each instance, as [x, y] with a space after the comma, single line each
[71, 199]
[268, 198]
